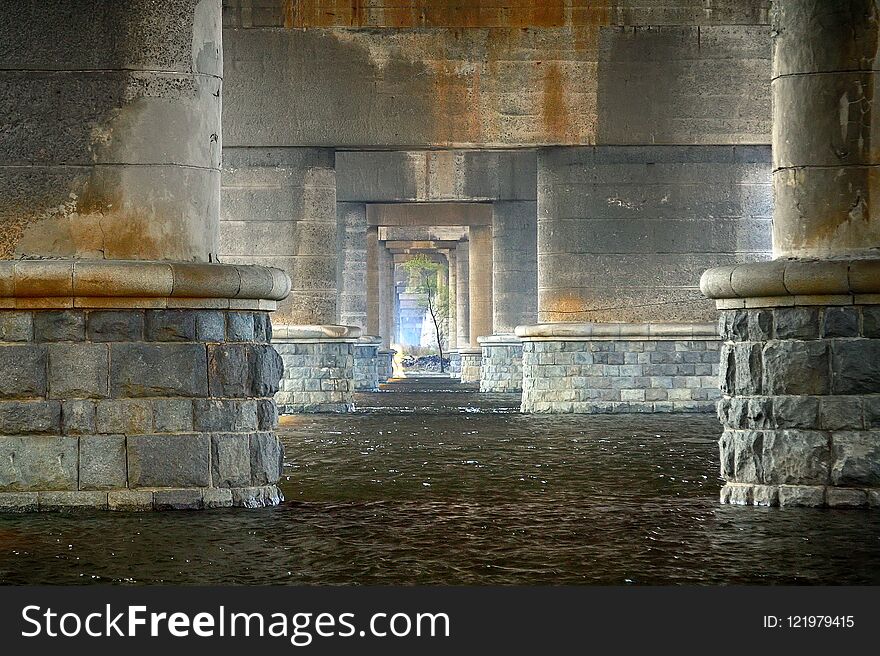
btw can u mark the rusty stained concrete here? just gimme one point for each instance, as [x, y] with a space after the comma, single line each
[456, 73]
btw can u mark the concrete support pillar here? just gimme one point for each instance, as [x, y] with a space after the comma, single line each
[353, 266]
[452, 329]
[135, 371]
[366, 364]
[373, 282]
[387, 297]
[514, 293]
[480, 282]
[622, 234]
[801, 358]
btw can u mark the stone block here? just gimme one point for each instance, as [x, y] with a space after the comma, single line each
[262, 328]
[840, 322]
[143, 370]
[256, 497]
[224, 415]
[170, 326]
[727, 450]
[765, 495]
[804, 496]
[760, 325]
[78, 371]
[840, 412]
[173, 415]
[737, 327]
[795, 457]
[267, 415]
[16, 326]
[739, 494]
[213, 497]
[78, 417]
[267, 458]
[872, 411]
[73, 500]
[115, 325]
[23, 371]
[856, 367]
[855, 458]
[102, 462]
[210, 326]
[265, 369]
[759, 412]
[124, 416]
[19, 502]
[169, 461]
[796, 367]
[748, 368]
[30, 417]
[796, 411]
[60, 326]
[228, 370]
[230, 460]
[185, 499]
[842, 497]
[38, 463]
[748, 461]
[871, 321]
[130, 500]
[796, 323]
[239, 327]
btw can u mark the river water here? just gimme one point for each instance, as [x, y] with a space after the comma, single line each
[431, 482]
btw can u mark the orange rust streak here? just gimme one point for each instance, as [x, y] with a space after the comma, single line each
[553, 107]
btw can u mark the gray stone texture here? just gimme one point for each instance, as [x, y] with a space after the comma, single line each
[186, 413]
[808, 394]
[469, 367]
[620, 376]
[501, 369]
[624, 232]
[366, 367]
[318, 376]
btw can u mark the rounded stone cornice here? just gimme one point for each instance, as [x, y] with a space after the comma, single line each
[470, 351]
[135, 283]
[507, 339]
[369, 340]
[599, 331]
[315, 332]
[794, 281]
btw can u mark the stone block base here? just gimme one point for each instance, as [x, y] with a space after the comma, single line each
[136, 408]
[385, 364]
[141, 499]
[469, 371]
[318, 375]
[455, 364]
[801, 406]
[366, 365]
[501, 364]
[619, 368]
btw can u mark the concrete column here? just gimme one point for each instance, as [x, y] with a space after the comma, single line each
[800, 366]
[451, 256]
[622, 234]
[373, 281]
[480, 282]
[514, 293]
[386, 294]
[135, 371]
[462, 306]
[353, 270]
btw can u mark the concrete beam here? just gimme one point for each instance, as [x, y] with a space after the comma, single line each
[429, 214]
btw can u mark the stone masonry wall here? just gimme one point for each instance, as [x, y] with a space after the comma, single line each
[501, 368]
[385, 364]
[800, 409]
[611, 376]
[366, 367]
[469, 367]
[318, 376]
[137, 409]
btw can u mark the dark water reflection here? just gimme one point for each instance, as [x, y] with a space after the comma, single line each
[431, 483]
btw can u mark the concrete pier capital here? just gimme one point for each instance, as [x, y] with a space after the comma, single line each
[596, 331]
[317, 332]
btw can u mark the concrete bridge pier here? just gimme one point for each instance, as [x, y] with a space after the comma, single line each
[135, 370]
[462, 306]
[800, 365]
[514, 293]
[479, 300]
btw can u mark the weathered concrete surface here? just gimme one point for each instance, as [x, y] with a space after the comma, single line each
[462, 294]
[88, 88]
[451, 74]
[279, 209]
[443, 175]
[624, 232]
[353, 271]
[826, 75]
[479, 283]
[514, 265]
[428, 215]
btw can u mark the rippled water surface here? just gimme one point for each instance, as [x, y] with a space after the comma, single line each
[431, 482]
